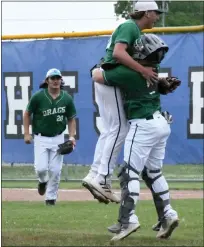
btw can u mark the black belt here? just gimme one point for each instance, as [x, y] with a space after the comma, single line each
[48, 135]
[149, 117]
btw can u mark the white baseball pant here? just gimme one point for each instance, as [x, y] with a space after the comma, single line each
[48, 164]
[145, 147]
[114, 128]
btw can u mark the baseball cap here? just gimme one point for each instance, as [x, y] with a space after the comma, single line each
[53, 72]
[147, 6]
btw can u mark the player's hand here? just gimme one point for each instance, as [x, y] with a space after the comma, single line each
[97, 76]
[150, 75]
[28, 138]
[73, 140]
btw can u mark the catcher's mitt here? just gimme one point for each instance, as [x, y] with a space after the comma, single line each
[168, 84]
[66, 147]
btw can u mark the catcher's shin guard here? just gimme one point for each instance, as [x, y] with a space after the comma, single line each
[129, 183]
[151, 178]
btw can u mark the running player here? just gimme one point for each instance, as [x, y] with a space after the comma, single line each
[51, 109]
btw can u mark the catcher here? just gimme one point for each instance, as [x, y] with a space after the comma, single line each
[146, 140]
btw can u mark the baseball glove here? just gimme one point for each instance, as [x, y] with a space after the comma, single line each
[65, 148]
[168, 84]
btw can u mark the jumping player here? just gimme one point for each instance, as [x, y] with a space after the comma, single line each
[51, 109]
[146, 140]
[109, 99]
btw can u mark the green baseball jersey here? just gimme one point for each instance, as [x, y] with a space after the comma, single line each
[140, 100]
[50, 115]
[127, 33]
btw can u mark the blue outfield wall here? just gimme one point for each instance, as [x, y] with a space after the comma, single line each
[24, 65]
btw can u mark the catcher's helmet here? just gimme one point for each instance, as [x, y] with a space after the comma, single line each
[151, 48]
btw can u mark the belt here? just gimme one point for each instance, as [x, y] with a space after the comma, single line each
[47, 135]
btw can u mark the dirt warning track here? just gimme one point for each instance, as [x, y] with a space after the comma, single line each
[84, 195]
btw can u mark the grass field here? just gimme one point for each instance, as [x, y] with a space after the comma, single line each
[85, 223]
[78, 172]
[115, 185]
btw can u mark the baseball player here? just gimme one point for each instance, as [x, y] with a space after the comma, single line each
[109, 99]
[51, 109]
[146, 140]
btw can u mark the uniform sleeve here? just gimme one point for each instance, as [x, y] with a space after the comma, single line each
[32, 104]
[127, 33]
[70, 109]
[110, 82]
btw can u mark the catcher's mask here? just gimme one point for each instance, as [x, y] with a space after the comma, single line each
[150, 48]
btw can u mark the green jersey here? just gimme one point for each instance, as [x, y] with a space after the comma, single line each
[127, 33]
[140, 100]
[50, 115]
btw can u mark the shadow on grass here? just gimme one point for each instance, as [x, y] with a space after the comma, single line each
[77, 238]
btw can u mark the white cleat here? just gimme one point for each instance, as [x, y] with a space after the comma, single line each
[86, 182]
[171, 221]
[125, 232]
[105, 190]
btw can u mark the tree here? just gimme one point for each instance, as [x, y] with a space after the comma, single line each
[180, 13]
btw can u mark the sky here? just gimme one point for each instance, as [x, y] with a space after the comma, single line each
[48, 17]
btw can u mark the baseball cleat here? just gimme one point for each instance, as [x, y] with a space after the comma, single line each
[116, 228]
[156, 227]
[50, 202]
[86, 183]
[125, 232]
[105, 190]
[42, 188]
[168, 225]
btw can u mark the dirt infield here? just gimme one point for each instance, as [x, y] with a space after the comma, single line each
[84, 195]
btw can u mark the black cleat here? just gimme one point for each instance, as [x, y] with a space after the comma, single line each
[42, 188]
[50, 202]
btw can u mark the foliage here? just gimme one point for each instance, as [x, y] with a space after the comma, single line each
[180, 13]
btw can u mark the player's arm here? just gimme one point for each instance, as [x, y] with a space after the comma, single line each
[71, 122]
[72, 129]
[99, 76]
[27, 118]
[26, 122]
[123, 40]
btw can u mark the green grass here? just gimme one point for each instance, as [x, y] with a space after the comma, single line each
[78, 172]
[77, 185]
[84, 224]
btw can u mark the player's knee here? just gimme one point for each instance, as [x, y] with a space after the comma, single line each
[41, 171]
[128, 175]
[150, 176]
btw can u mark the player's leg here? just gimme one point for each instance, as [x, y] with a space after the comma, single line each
[55, 167]
[100, 96]
[41, 155]
[159, 186]
[135, 156]
[114, 117]
[148, 181]
[142, 137]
